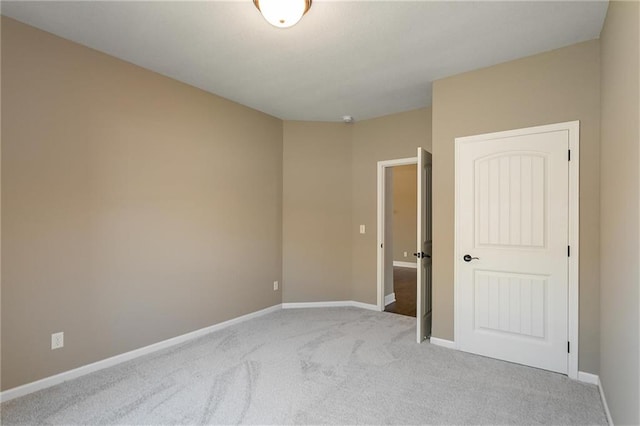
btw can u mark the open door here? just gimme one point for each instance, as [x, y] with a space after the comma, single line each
[424, 245]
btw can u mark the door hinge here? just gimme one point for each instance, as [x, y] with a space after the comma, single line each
[380, 245]
[568, 347]
[568, 251]
[569, 155]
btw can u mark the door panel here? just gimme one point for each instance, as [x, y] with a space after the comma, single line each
[424, 246]
[510, 199]
[512, 218]
[510, 303]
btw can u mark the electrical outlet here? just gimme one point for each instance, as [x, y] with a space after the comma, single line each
[57, 340]
[275, 285]
[405, 254]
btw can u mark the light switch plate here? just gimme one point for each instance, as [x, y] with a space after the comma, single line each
[362, 229]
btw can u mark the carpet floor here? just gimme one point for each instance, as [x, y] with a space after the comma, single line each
[312, 366]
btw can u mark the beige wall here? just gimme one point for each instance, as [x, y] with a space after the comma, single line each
[557, 86]
[135, 208]
[330, 187]
[316, 212]
[619, 215]
[405, 204]
[386, 138]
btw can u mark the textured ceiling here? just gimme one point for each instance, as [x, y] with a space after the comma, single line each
[359, 58]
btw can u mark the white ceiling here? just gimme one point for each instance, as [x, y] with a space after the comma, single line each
[359, 58]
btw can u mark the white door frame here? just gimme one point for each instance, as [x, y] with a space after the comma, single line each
[382, 167]
[573, 129]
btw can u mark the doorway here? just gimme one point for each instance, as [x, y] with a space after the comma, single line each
[401, 228]
[420, 257]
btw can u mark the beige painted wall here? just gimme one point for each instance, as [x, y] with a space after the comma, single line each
[316, 212]
[405, 204]
[619, 215]
[557, 86]
[135, 208]
[386, 138]
[330, 186]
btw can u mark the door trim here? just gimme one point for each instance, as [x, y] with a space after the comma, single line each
[573, 129]
[382, 166]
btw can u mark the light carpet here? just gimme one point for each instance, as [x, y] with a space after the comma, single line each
[313, 366]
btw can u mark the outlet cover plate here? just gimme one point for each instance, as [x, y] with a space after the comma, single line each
[57, 340]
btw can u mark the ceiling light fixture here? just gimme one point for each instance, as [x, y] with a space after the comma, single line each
[283, 13]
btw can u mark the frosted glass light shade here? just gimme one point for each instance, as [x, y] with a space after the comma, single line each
[282, 13]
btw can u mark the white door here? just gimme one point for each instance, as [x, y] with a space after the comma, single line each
[423, 246]
[512, 233]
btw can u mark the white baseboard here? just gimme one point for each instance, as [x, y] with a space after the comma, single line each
[592, 379]
[334, 304]
[364, 306]
[413, 265]
[389, 299]
[443, 342]
[304, 305]
[604, 403]
[127, 356]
